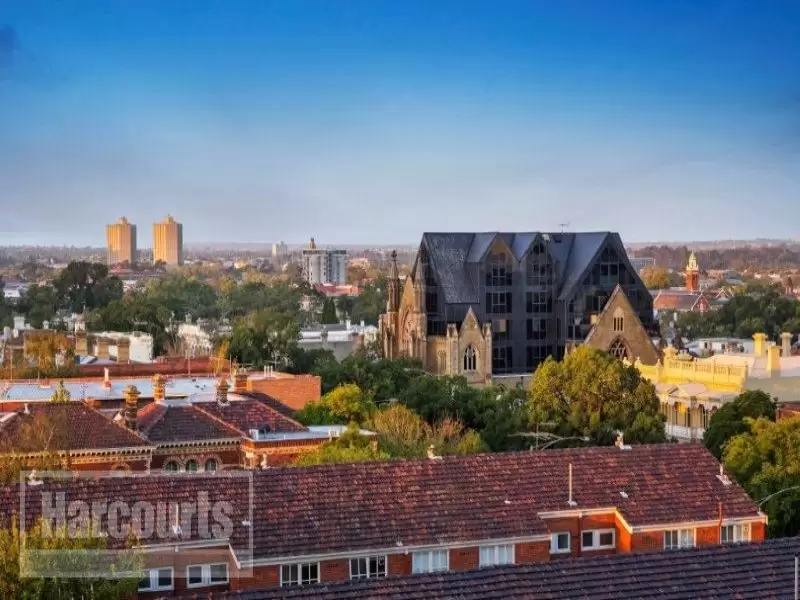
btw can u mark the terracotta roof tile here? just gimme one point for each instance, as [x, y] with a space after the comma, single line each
[163, 424]
[250, 413]
[753, 571]
[75, 425]
[671, 300]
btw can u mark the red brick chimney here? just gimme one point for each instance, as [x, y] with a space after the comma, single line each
[131, 406]
[240, 380]
[159, 387]
[222, 391]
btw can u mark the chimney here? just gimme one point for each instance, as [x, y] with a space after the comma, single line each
[131, 406]
[240, 380]
[759, 344]
[159, 388]
[106, 378]
[222, 391]
[81, 343]
[123, 351]
[773, 360]
[786, 344]
[102, 348]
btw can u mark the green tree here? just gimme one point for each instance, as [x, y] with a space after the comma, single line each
[766, 462]
[38, 304]
[328, 316]
[5, 310]
[344, 404]
[731, 419]
[264, 337]
[16, 583]
[370, 302]
[592, 394]
[349, 447]
[655, 278]
[86, 285]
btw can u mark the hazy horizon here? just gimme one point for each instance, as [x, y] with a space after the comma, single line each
[376, 120]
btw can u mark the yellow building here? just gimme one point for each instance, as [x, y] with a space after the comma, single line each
[121, 241]
[691, 390]
[168, 242]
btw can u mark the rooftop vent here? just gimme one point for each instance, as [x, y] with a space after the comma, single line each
[722, 477]
[620, 443]
[33, 479]
[432, 453]
[624, 494]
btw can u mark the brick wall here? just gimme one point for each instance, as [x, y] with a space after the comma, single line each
[532, 552]
[294, 391]
[757, 532]
[171, 366]
[647, 541]
[180, 560]
[707, 536]
[334, 570]
[464, 559]
[399, 564]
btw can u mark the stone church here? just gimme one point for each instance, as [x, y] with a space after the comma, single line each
[493, 305]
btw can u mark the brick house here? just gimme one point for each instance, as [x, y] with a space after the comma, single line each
[681, 301]
[212, 429]
[349, 521]
[763, 571]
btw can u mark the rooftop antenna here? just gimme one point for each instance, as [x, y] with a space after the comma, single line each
[563, 226]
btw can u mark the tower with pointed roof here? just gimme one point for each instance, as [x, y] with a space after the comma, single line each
[692, 274]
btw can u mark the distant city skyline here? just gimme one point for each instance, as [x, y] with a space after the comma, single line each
[372, 121]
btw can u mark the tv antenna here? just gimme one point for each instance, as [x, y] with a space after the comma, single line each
[563, 225]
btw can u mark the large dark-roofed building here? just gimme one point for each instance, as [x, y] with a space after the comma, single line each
[488, 304]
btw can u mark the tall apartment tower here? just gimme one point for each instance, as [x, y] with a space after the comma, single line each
[168, 241]
[121, 241]
[324, 266]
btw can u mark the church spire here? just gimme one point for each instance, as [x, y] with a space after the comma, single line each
[393, 295]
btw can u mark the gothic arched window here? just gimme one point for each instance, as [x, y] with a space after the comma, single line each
[618, 349]
[470, 359]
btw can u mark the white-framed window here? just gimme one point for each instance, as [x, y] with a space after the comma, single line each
[598, 539]
[678, 538]
[733, 534]
[560, 542]
[300, 574]
[205, 575]
[368, 567]
[430, 561]
[501, 554]
[156, 579]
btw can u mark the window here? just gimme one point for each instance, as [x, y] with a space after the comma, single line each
[171, 466]
[499, 272]
[429, 562]
[733, 534]
[204, 575]
[597, 539]
[539, 269]
[619, 324]
[535, 355]
[470, 359]
[156, 579]
[618, 349]
[300, 574]
[498, 303]
[211, 465]
[560, 543]
[441, 358]
[368, 567]
[537, 329]
[502, 554]
[678, 538]
[431, 300]
[191, 466]
[501, 360]
[538, 302]
[501, 329]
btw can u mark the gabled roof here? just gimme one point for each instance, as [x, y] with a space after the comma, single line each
[249, 413]
[762, 571]
[410, 503]
[448, 256]
[679, 300]
[74, 426]
[162, 423]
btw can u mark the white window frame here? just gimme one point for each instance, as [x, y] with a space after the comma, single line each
[152, 573]
[495, 550]
[299, 581]
[205, 570]
[368, 575]
[596, 533]
[678, 532]
[427, 557]
[741, 533]
[554, 549]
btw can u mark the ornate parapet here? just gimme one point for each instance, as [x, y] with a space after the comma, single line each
[727, 378]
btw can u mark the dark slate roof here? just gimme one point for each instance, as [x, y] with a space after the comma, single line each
[74, 425]
[762, 571]
[451, 253]
[163, 424]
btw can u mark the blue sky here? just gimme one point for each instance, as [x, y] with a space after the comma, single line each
[369, 121]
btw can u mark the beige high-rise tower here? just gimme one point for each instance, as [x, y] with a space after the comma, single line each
[121, 240]
[168, 242]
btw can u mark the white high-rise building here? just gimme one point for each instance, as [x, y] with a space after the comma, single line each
[324, 266]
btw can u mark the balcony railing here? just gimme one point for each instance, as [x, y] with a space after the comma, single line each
[684, 433]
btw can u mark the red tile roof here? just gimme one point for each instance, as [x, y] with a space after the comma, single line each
[250, 413]
[75, 426]
[753, 571]
[676, 300]
[408, 503]
[162, 423]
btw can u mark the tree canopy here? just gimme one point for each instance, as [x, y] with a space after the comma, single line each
[349, 447]
[731, 419]
[592, 394]
[766, 462]
[343, 404]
